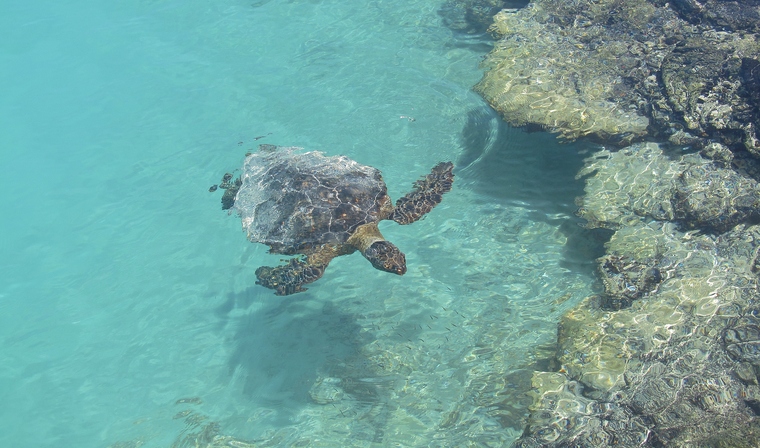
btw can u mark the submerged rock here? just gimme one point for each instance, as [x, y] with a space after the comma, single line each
[539, 75]
[735, 15]
[621, 71]
[714, 199]
[626, 280]
[677, 368]
[675, 360]
[474, 16]
[627, 186]
[645, 181]
[669, 353]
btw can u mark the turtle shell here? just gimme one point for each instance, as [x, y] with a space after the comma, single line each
[293, 201]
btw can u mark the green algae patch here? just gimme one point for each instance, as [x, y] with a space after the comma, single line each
[678, 366]
[620, 71]
[644, 181]
[677, 363]
[540, 76]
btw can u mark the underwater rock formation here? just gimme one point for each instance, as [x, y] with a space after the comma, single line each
[667, 353]
[674, 361]
[715, 199]
[474, 16]
[619, 71]
[681, 369]
[645, 181]
[736, 15]
[626, 280]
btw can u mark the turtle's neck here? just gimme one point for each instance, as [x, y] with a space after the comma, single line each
[365, 235]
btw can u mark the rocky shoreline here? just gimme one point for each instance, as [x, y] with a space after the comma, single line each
[669, 352]
[619, 72]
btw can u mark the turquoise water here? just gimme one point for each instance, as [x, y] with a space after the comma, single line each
[124, 287]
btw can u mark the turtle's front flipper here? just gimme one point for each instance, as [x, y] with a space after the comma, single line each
[288, 279]
[427, 193]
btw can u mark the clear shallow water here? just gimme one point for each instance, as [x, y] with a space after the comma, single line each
[124, 287]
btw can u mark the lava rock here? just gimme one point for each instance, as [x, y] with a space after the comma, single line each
[713, 199]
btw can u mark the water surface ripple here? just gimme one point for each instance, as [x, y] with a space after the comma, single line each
[128, 310]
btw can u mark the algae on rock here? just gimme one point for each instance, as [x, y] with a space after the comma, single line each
[619, 71]
[680, 370]
[536, 74]
[474, 16]
[678, 365]
[644, 181]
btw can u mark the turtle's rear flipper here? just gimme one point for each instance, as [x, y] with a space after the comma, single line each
[289, 278]
[427, 193]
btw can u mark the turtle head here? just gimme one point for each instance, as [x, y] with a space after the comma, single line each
[385, 256]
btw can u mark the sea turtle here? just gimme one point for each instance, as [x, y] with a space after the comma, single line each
[231, 188]
[319, 207]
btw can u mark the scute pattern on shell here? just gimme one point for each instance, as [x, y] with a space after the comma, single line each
[293, 201]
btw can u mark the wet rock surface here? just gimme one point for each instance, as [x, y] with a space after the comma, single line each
[626, 280]
[621, 71]
[474, 16]
[711, 191]
[714, 199]
[669, 353]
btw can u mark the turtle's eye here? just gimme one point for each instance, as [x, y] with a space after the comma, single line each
[396, 269]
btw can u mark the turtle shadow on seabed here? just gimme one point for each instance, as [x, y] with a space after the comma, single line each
[285, 348]
[531, 170]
